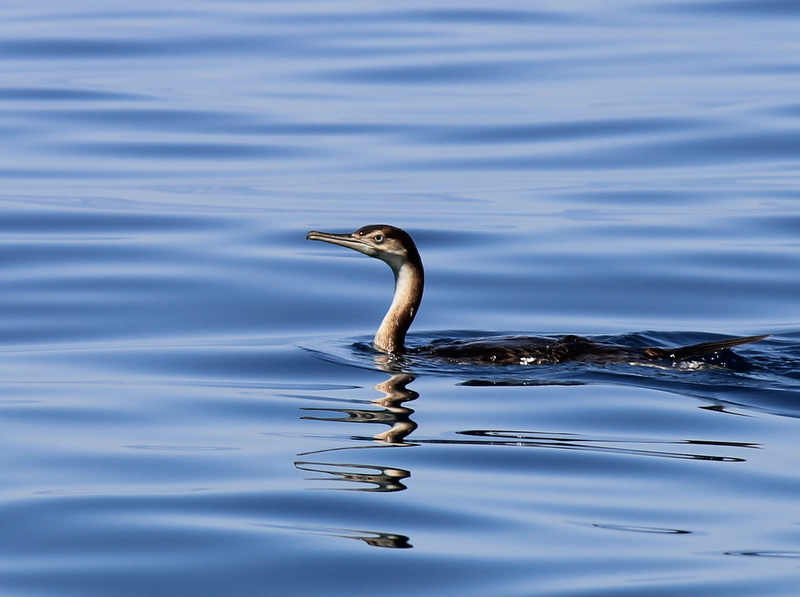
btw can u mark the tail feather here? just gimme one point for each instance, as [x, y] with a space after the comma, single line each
[707, 348]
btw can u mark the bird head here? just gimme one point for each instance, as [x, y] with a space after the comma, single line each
[387, 243]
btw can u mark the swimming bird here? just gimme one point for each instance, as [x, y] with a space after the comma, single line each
[396, 247]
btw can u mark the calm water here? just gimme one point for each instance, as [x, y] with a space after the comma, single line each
[186, 404]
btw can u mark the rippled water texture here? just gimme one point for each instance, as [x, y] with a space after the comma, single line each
[188, 401]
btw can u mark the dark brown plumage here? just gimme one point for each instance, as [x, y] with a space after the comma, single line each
[532, 350]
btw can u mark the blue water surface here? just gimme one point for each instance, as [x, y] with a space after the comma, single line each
[188, 401]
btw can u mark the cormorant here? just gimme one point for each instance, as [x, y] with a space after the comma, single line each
[397, 248]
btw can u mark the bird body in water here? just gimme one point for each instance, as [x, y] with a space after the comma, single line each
[396, 247]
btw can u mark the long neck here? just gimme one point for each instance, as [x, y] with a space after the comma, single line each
[409, 281]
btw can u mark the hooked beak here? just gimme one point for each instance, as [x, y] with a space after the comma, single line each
[343, 240]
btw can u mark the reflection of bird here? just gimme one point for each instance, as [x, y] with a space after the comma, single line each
[394, 414]
[376, 478]
[396, 247]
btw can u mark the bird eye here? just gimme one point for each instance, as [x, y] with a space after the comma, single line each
[378, 238]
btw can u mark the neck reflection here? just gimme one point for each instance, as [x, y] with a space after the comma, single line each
[393, 414]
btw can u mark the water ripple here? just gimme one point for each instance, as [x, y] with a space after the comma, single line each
[55, 94]
[190, 404]
[183, 151]
[743, 8]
